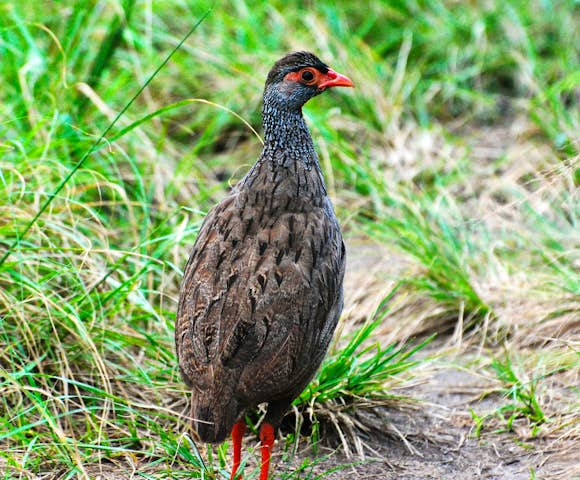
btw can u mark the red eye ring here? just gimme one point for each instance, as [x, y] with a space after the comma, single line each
[307, 75]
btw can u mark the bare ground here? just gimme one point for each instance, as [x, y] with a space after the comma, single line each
[433, 440]
[437, 441]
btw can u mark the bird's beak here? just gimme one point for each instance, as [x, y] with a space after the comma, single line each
[334, 79]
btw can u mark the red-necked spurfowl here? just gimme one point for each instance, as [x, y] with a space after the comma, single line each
[262, 290]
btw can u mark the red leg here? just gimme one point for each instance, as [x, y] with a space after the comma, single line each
[237, 435]
[267, 438]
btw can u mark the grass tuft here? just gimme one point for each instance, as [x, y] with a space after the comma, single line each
[358, 376]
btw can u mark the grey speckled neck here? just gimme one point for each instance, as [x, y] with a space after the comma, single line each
[288, 169]
[286, 136]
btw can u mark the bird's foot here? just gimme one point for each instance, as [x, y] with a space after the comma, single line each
[267, 438]
[237, 435]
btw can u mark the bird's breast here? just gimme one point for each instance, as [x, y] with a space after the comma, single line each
[272, 190]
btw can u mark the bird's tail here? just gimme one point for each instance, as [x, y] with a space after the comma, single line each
[213, 419]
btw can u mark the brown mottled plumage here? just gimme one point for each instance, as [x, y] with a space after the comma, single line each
[262, 290]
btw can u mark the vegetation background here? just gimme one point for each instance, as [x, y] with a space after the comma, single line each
[454, 167]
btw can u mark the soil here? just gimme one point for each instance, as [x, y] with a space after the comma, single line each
[440, 442]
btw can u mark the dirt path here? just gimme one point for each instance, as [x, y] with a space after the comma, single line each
[439, 442]
[434, 441]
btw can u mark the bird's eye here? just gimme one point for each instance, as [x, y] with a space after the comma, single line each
[307, 76]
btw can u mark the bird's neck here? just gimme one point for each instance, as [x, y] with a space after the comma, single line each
[288, 167]
[286, 137]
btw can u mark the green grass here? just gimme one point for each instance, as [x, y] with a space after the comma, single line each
[355, 377]
[524, 389]
[521, 400]
[94, 235]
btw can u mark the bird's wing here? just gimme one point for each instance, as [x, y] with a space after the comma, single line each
[303, 300]
[260, 297]
[203, 296]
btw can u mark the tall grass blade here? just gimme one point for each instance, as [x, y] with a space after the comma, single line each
[51, 196]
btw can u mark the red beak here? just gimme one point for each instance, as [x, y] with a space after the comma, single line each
[334, 79]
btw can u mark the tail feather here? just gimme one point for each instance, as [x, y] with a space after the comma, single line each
[213, 421]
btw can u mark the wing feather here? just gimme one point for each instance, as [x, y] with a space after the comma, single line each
[262, 300]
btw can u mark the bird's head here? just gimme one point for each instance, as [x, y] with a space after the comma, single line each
[299, 76]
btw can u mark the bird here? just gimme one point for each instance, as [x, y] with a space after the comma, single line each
[262, 290]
